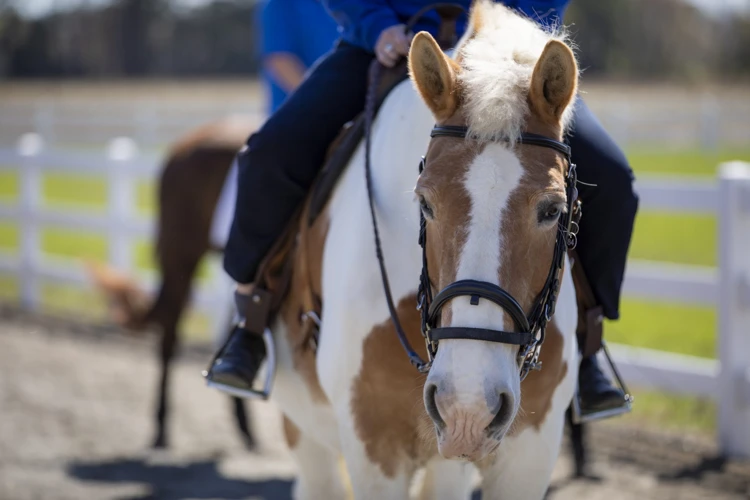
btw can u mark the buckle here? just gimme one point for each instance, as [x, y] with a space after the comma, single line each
[270, 373]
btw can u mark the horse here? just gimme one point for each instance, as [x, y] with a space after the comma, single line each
[190, 182]
[489, 208]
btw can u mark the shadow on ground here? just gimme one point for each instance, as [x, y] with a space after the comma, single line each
[195, 480]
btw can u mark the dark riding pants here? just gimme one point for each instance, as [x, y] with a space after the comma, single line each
[282, 159]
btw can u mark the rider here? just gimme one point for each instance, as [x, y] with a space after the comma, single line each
[294, 34]
[281, 161]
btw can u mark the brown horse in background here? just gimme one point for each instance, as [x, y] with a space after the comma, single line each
[189, 189]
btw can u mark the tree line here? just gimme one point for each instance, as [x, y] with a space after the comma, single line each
[624, 39]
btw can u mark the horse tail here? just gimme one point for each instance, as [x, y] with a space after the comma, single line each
[130, 305]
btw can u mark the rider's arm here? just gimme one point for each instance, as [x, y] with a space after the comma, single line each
[280, 46]
[367, 17]
[286, 70]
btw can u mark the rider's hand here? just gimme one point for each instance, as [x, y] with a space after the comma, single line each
[392, 44]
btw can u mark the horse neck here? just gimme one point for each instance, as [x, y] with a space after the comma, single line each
[400, 136]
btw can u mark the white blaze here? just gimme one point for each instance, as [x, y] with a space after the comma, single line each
[490, 180]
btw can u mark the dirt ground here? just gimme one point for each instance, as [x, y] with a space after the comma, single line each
[75, 406]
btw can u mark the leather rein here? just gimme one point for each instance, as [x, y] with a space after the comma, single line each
[529, 330]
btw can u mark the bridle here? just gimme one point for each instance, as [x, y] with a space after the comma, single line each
[530, 329]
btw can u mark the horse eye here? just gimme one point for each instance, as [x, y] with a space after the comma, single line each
[425, 207]
[549, 213]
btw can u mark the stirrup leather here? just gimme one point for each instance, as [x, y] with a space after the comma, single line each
[579, 417]
[270, 373]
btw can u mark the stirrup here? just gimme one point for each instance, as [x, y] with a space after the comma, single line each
[270, 372]
[579, 417]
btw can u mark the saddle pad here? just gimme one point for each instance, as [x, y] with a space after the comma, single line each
[224, 211]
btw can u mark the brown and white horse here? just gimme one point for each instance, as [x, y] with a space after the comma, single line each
[492, 209]
[189, 226]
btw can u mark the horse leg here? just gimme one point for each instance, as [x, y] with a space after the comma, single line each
[523, 467]
[577, 441]
[320, 474]
[169, 305]
[243, 423]
[373, 480]
[447, 480]
[167, 349]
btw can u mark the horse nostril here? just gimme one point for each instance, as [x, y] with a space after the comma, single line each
[431, 406]
[503, 414]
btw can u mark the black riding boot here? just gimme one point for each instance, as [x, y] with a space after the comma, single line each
[236, 365]
[239, 360]
[596, 392]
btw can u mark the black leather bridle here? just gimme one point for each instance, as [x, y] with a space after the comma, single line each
[530, 330]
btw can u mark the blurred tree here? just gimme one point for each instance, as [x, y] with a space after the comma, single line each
[625, 39]
[14, 33]
[645, 38]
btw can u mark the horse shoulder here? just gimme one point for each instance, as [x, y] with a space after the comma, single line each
[386, 396]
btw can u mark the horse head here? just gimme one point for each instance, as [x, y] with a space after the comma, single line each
[492, 205]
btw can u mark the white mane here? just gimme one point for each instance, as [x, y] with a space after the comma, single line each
[497, 61]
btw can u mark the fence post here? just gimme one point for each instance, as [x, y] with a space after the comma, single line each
[29, 147]
[120, 152]
[734, 308]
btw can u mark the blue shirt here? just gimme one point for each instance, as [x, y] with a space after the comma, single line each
[362, 21]
[299, 27]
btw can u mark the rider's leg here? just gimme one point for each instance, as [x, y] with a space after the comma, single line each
[276, 169]
[609, 209]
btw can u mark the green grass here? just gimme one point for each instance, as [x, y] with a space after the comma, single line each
[666, 327]
[658, 236]
[667, 411]
[9, 186]
[9, 237]
[75, 191]
[691, 163]
[671, 237]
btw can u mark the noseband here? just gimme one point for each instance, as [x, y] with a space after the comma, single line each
[530, 330]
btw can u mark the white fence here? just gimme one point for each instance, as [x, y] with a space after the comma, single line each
[123, 168]
[644, 118]
[726, 380]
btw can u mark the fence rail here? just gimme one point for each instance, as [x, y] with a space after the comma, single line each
[707, 120]
[726, 380]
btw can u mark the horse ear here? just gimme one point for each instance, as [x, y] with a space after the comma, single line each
[554, 81]
[434, 75]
